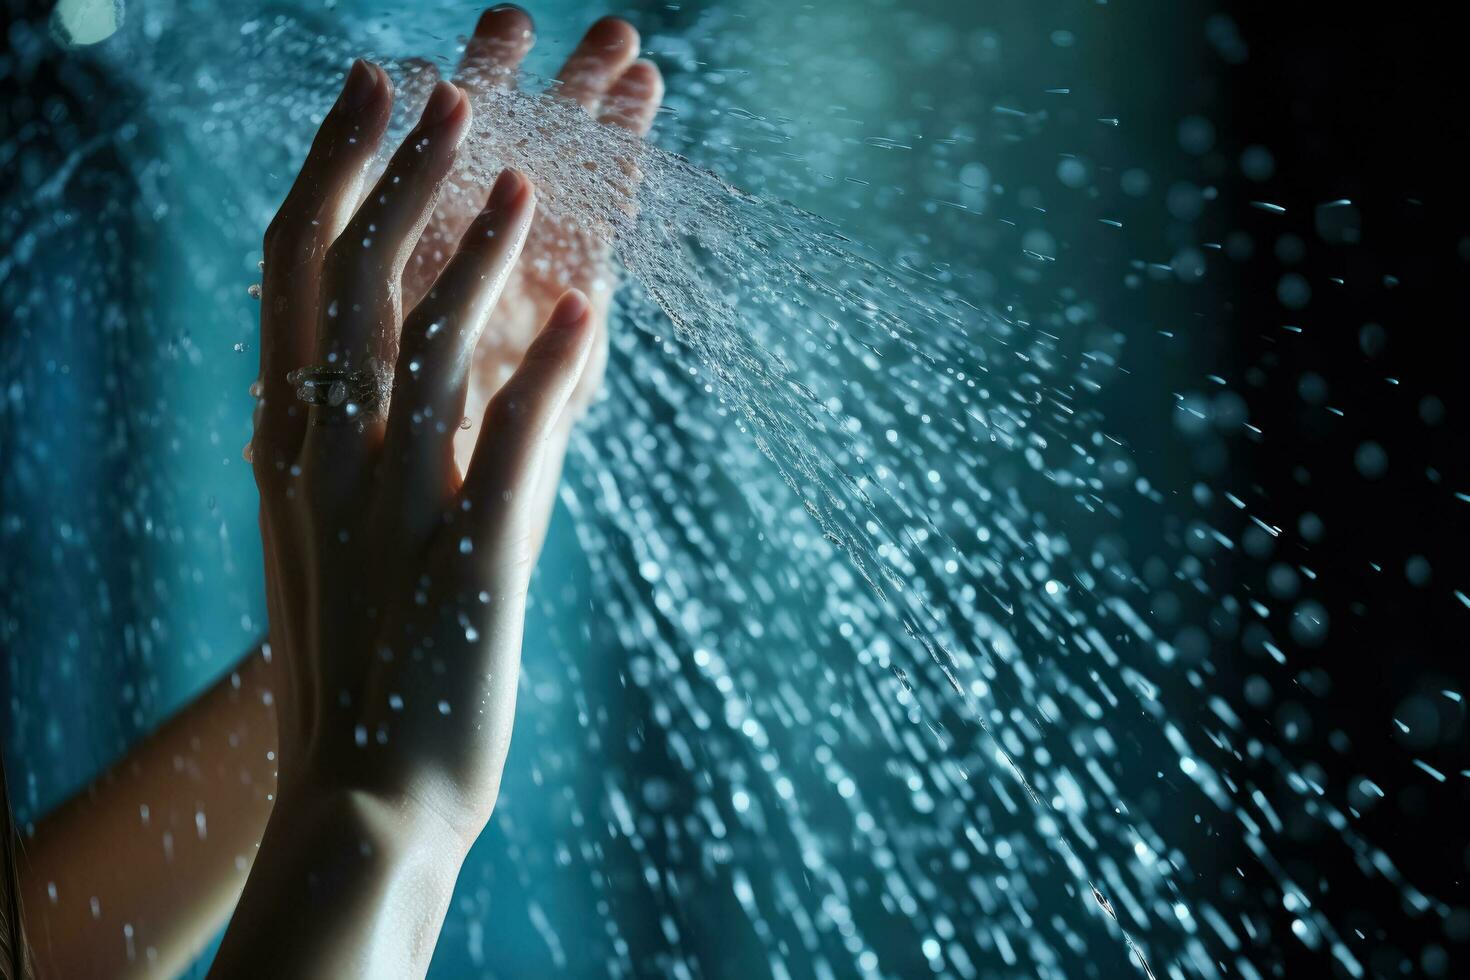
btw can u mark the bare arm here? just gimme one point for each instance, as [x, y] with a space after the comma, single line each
[134, 875]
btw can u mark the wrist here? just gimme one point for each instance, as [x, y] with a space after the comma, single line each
[347, 882]
[414, 793]
[393, 824]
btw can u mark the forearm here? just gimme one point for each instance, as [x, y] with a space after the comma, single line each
[347, 883]
[134, 875]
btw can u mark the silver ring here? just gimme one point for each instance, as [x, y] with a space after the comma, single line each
[349, 395]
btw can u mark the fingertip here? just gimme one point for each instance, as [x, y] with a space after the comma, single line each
[613, 33]
[644, 73]
[385, 81]
[502, 19]
[564, 336]
[509, 208]
[502, 37]
[511, 191]
[571, 311]
[642, 80]
[447, 104]
[362, 87]
[633, 100]
[468, 107]
[359, 85]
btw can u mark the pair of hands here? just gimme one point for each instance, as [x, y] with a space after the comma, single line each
[399, 549]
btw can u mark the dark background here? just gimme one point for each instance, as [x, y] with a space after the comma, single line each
[1366, 104]
[1372, 109]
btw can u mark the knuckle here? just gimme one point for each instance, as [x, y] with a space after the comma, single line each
[348, 263]
[335, 263]
[346, 271]
[280, 235]
[430, 334]
[509, 407]
[268, 464]
[264, 474]
[517, 417]
[290, 239]
[484, 236]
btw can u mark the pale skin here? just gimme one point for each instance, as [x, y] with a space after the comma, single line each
[348, 773]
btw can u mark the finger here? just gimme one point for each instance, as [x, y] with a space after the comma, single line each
[416, 81]
[420, 77]
[519, 422]
[491, 57]
[360, 298]
[549, 480]
[439, 339]
[314, 213]
[608, 47]
[631, 104]
[494, 52]
[632, 100]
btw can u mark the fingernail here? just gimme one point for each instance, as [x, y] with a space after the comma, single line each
[361, 83]
[442, 102]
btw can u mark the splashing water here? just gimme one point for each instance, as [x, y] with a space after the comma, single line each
[887, 684]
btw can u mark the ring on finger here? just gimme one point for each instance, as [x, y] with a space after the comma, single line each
[344, 395]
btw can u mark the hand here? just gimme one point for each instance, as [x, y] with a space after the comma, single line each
[396, 586]
[404, 677]
[396, 589]
[604, 76]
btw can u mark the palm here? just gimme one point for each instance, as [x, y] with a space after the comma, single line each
[602, 76]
